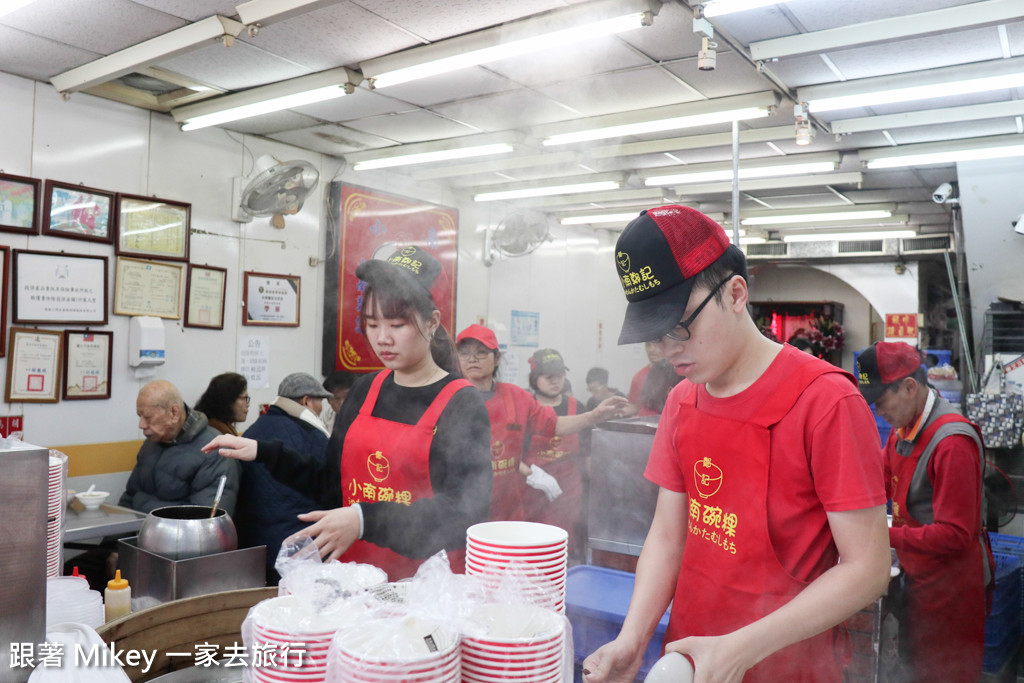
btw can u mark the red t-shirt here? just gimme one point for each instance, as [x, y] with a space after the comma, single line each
[825, 457]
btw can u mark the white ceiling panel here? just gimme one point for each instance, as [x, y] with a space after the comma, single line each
[192, 10]
[621, 91]
[814, 16]
[508, 110]
[434, 22]
[669, 37]
[417, 126]
[38, 58]
[569, 62]
[271, 123]
[917, 54]
[234, 68]
[331, 139]
[769, 22]
[449, 87]
[360, 104]
[731, 76]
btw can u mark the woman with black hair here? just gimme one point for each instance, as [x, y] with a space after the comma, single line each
[408, 466]
[225, 402]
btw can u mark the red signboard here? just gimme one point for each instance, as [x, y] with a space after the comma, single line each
[901, 325]
[370, 225]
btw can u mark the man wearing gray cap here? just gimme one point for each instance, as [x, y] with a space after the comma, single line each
[267, 509]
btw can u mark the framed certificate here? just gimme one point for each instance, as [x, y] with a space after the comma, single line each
[271, 300]
[19, 204]
[148, 288]
[87, 361]
[78, 212]
[204, 297]
[152, 228]
[60, 288]
[33, 366]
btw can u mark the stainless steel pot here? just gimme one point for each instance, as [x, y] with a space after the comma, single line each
[179, 532]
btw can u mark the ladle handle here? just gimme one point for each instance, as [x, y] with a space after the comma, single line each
[220, 492]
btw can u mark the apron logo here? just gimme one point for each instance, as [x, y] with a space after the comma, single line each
[707, 477]
[622, 260]
[378, 466]
[497, 448]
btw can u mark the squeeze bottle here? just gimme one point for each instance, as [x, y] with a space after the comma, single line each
[117, 598]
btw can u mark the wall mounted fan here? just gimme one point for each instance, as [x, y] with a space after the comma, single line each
[277, 189]
[517, 234]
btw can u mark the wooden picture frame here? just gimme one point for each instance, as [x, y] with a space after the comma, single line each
[271, 300]
[6, 251]
[59, 289]
[148, 288]
[33, 366]
[204, 297]
[88, 358]
[78, 212]
[153, 228]
[19, 204]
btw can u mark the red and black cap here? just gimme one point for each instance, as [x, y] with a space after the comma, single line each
[657, 256]
[409, 271]
[883, 364]
[547, 362]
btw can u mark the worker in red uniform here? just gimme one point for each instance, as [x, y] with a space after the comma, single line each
[515, 417]
[767, 462]
[408, 463]
[636, 385]
[933, 458]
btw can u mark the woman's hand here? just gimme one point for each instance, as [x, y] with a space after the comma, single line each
[718, 659]
[333, 531]
[230, 446]
[613, 662]
[611, 408]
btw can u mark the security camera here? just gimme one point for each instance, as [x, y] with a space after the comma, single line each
[707, 57]
[942, 193]
[1018, 224]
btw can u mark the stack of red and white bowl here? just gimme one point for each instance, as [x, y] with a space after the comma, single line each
[56, 502]
[290, 642]
[537, 552]
[521, 643]
[396, 649]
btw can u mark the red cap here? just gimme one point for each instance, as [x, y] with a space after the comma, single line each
[883, 363]
[480, 333]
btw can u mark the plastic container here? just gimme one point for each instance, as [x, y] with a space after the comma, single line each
[596, 601]
[1003, 624]
[117, 598]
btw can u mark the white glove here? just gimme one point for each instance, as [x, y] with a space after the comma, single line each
[542, 481]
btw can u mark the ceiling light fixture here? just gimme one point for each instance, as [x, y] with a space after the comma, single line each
[642, 198]
[781, 183]
[557, 27]
[437, 150]
[623, 218]
[832, 236]
[589, 183]
[265, 99]
[916, 85]
[929, 117]
[661, 145]
[804, 129]
[948, 152]
[171, 44]
[856, 213]
[659, 119]
[716, 8]
[749, 168]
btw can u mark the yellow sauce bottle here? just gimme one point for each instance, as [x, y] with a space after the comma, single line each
[117, 598]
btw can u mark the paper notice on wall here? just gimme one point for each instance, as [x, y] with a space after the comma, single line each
[254, 361]
[508, 368]
[525, 328]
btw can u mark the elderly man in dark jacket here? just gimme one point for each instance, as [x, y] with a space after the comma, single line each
[171, 468]
[267, 508]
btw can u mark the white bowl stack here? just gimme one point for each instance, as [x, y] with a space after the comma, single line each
[68, 599]
[538, 552]
[56, 503]
[399, 649]
[292, 641]
[521, 643]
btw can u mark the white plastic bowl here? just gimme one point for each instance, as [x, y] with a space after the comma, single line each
[92, 499]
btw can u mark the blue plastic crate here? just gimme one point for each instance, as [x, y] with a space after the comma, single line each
[1003, 625]
[596, 601]
[944, 356]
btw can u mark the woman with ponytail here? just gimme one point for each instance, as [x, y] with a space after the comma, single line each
[408, 467]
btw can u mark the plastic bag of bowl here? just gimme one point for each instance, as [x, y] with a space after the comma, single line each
[296, 551]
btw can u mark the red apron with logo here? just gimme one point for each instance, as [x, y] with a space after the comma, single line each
[386, 461]
[506, 452]
[945, 605]
[731, 575]
[559, 457]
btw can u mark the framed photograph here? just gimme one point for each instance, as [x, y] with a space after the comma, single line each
[88, 357]
[78, 212]
[271, 300]
[33, 366]
[204, 297]
[51, 289]
[148, 288]
[152, 228]
[5, 252]
[19, 204]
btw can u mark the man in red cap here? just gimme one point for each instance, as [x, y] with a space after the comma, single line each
[767, 462]
[934, 459]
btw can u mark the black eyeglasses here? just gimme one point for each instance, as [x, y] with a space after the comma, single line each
[247, 398]
[474, 355]
[681, 331]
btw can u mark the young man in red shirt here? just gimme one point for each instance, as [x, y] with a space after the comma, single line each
[768, 465]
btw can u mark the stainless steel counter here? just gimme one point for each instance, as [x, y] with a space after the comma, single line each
[110, 520]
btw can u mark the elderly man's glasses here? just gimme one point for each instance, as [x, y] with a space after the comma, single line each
[681, 331]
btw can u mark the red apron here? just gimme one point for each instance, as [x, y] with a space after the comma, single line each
[559, 457]
[731, 575]
[945, 606]
[506, 452]
[386, 461]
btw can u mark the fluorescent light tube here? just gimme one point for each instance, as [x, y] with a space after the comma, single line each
[441, 155]
[924, 154]
[816, 217]
[830, 236]
[658, 126]
[716, 8]
[920, 92]
[600, 218]
[777, 183]
[547, 191]
[559, 27]
[748, 172]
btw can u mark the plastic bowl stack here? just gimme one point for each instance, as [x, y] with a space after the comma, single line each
[290, 643]
[521, 643]
[400, 649]
[68, 599]
[344, 577]
[56, 503]
[538, 552]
